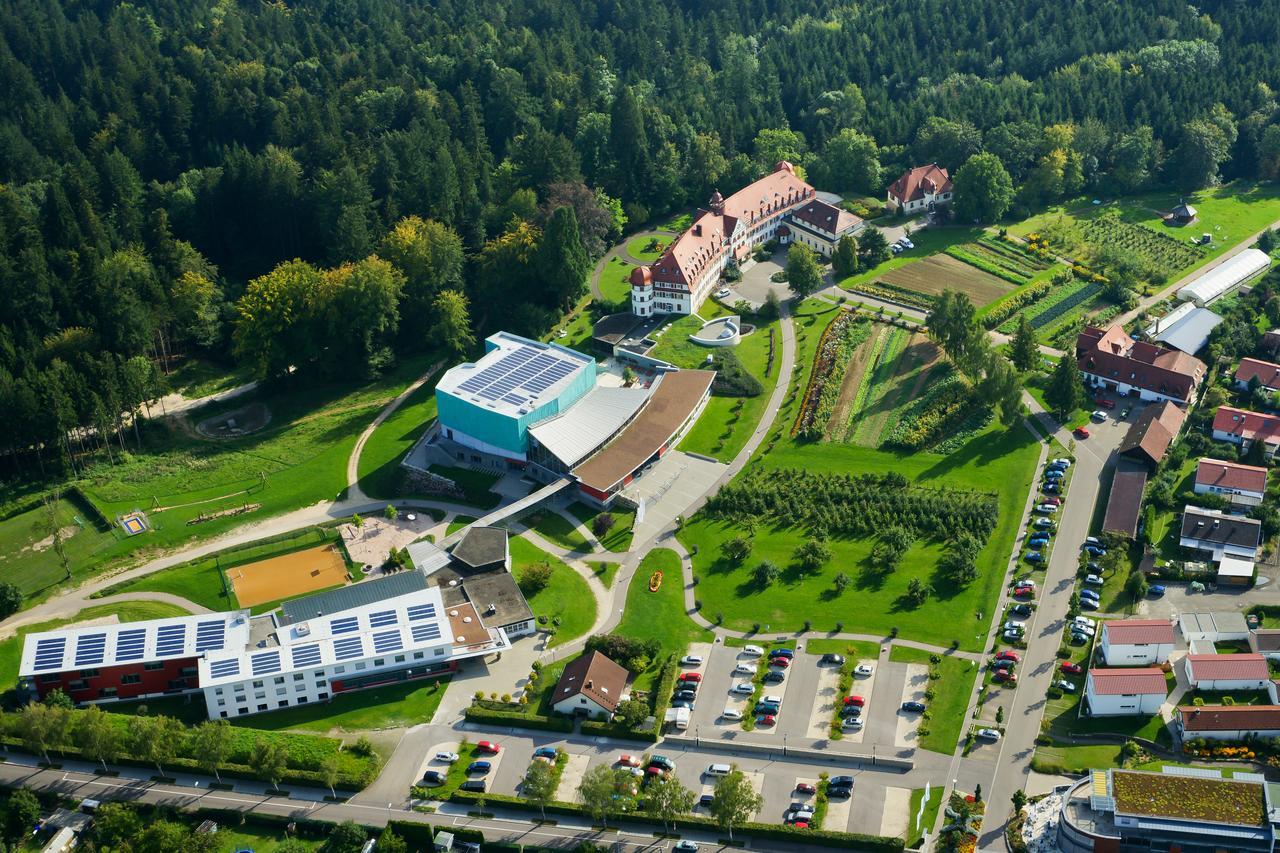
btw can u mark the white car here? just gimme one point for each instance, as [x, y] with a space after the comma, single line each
[446, 757]
[863, 669]
[773, 700]
[851, 724]
[1046, 508]
[691, 660]
[1013, 625]
[1064, 685]
[744, 669]
[1099, 416]
[743, 689]
[1095, 580]
[753, 651]
[1065, 463]
[723, 293]
[1083, 620]
[906, 243]
[731, 714]
[988, 734]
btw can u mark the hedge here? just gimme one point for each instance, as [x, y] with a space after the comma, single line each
[779, 832]
[515, 718]
[614, 730]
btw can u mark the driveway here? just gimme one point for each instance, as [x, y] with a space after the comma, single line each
[756, 285]
[667, 488]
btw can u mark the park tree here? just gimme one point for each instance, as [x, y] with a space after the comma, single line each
[114, 825]
[97, 737]
[765, 573]
[841, 582]
[346, 837]
[804, 274]
[602, 524]
[737, 549]
[812, 554]
[917, 592]
[212, 743]
[844, 260]
[269, 759]
[1024, 350]
[1064, 393]
[734, 801]
[598, 789]
[873, 247]
[1001, 388]
[562, 260]
[533, 578]
[983, 189]
[155, 739]
[539, 785]
[10, 599]
[331, 771]
[22, 813]
[1136, 585]
[851, 161]
[667, 799]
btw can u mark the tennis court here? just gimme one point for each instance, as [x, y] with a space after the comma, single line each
[288, 575]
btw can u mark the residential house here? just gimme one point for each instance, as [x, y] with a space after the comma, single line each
[592, 685]
[1125, 691]
[1228, 672]
[1243, 427]
[1137, 642]
[920, 189]
[1219, 534]
[1266, 373]
[1243, 485]
[1149, 437]
[1114, 361]
[1227, 722]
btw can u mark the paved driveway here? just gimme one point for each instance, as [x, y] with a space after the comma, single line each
[667, 489]
[756, 285]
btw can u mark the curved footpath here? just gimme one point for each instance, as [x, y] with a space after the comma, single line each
[620, 251]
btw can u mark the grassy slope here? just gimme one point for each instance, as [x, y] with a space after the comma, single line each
[618, 539]
[379, 470]
[556, 528]
[566, 596]
[951, 699]
[659, 615]
[396, 705]
[615, 280]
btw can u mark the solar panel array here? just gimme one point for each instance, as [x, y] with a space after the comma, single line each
[170, 640]
[387, 641]
[348, 648]
[423, 633]
[308, 655]
[210, 635]
[345, 625]
[525, 368]
[224, 668]
[90, 649]
[265, 663]
[382, 618]
[418, 612]
[131, 645]
[49, 653]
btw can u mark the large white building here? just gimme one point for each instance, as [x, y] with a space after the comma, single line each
[1125, 692]
[1114, 361]
[1225, 277]
[1137, 642]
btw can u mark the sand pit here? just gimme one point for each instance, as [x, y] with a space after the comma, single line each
[288, 575]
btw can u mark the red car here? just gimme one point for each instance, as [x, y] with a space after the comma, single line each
[1024, 590]
[1072, 668]
[628, 761]
[1106, 404]
[766, 720]
[1005, 675]
[856, 701]
[488, 747]
[1051, 499]
[1007, 655]
[805, 788]
[780, 663]
[1080, 432]
[801, 824]
[691, 676]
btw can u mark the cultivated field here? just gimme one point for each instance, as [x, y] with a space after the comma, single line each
[933, 275]
[894, 376]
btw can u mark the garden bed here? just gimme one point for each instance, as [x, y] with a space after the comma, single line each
[932, 275]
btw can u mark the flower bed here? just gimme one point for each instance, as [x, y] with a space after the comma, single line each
[890, 293]
[834, 349]
[1005, 313]
[971, 254]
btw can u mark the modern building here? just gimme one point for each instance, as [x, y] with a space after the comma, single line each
[1185, 328]
[1137, 642]
[1125, 691]
[1124, 503]
[1225, 277]
[1220, 535]
[1228, 672]
[1222, 627]
[919, 190]
[1243, 427]
[1188, 810]
[477, 572]
[1243, 485]
[1114, 361]
[690, 268]
[1265, 642]
[1235, 572]
[819, 226]
[1266, 373]
[1148, 438]
[1227, 722]
[592, 686]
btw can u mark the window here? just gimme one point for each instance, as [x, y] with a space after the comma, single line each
[298, 676]
[260, 694]
[262, 707]
[324, 695]
[280, 691]
[239, 688]
[88, 673]
[279, 679]
[399, 658]
[53, 678]
[77, 685]
[132, 678]
[417, 656]
[217, 692]
[380, 662]
[257, 684]
[360, 666]
[283, 703]
[107, 693]
[222, 703]
[298, 688]
[188, 672]
[242, 710]
[439, 652]
[223, 714]
[153, 666]
[302, 700]
[338, 670]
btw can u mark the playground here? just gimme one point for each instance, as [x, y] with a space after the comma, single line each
[288, 575]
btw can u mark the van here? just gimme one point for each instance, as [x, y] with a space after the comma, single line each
[718, 769]
[89, 806]
[475, 785]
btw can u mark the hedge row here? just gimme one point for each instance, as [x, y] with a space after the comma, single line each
[891, 293]
[779, 832]
[475, 714]
[1015, 302]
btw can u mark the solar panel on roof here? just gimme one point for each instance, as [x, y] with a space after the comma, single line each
[425, 633]
[91, 649]
[387, 641]
[224, 668]
[210, 635]
[345, 625]
[347, 648]
[513, 399]
[264, 663]
[49, 653]
[382, 618]
[308, 655]
[420, 611]
[170, 640]
[131, 645]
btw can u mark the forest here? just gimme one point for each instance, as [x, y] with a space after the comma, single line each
[320, 186]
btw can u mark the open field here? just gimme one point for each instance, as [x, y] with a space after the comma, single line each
[394, 706]
[659, 615]
[928, 241]
[379, 472]
[290, 575]
[27, 556]
[647, 249]
[565, 605]
[935, 274]
[196, 377]
[615, 280]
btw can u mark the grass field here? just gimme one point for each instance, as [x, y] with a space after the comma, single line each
[566, 597]
[261, 840]
[606, 572]
[197, 377]
[556, 528]
[860, 649]
[394, 706]
[659, 615]
[128, 611]
[475, 485]
[618, 539]
[379, 470]
[935, 274]
[915, 827]
[459, 522]
[638, 248]
[615, 280]
[952, 691]
[27, 556]
[928, 241]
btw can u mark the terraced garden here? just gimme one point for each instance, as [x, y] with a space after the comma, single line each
[935, 274]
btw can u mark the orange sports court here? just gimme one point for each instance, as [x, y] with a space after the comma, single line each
[288, 575]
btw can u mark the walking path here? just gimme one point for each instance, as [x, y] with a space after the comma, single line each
[175, 404]
[620, 251]
[354, 492]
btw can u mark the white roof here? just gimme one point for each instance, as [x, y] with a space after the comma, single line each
[133, 642]
[405, 624]
[574, 435]
[1185, 328]
[515, 375]
[1231, 567]
[1225, 276]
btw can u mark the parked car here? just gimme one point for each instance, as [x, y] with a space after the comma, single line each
[1088, 604]
[433, 777]
[987, 734]
[805, 788]
[795, 815]
[840, 781]
[1035, 557]
[774, 676]
[1155, 590]
[743, 689]
[1085, 621]
[914, 707]
[684, 703]
[1004, 675]
[851, 712]
[1072, 668]
[706, 800]
[1054, 476]
[863, 669]
[772, 708]
[685, 696]
[1045, 523]
[856, 701]
[724, 293]
[1023, 592]
[690, 676]
[479, 768]
[1061, 460]
[1125, 412]
[1055, 501]
[1094, 580]
[1014, 625]
[781, 653]
[685, 846]
[1092, 540]
[475, 786]
[488, 747]
[1106, 404]
[691, 660]
[744, 669]
[1026, 580]
[781, 663]
[753, 651]
[1008, 655]
[628, 761]
[1052, 488]
[446, 757]
[1064, 685]
[1080, 432]
[852, 724]
[1046, 508]
[1020, 610]
[1083, 629]
[1012, 636]
[662, 761]
[1095, 550]
[1004, 663]
[731, 714]
[838, 660]
[545, 752]
[839, 792]
[766, 720]
[1098, 416]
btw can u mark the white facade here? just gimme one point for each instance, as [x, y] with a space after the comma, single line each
[1121, 704]
[1125, 389]
[580, 703]
[1134, 654]
[1240, 497]
[1208, 674]
[1213, 627]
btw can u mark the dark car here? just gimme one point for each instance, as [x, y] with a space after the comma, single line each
[545, 752]
[705, 800]
[839, 792]
[685, 695]
[838, 660]
[1003, 664]
[1155, 590]
[1020, 610]
[1052, 488]
[477, 786]
[480, 767]
[770, 708]
[774, 676]
[433, 777]
[781, 653]
[917, 707]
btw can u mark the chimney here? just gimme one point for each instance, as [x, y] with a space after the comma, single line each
[697, 230]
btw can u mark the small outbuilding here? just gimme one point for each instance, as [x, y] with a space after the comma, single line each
[1223, 627]
[1265, 642]
[1182, 215]
[1226, 277]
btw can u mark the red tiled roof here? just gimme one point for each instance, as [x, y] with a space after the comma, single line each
[1246, 424]
[1137, 631]
[914, 183]
[1266, 372]
[1125, 501]
[1230, 718]
[1228, 668]
[1115, 356]
[1231, 475]
[1151, 434]
[1127, 681]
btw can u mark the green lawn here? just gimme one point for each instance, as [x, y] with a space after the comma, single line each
[379, 470]
[394, 706]
[952, 692]
[606, 572]
[475, 485]
[916, 827]
[566, 597]
[260, 840]
[638, 248]
[197, 377]
[659, 615]
[1075, 759]
[677, 223]
[929, 241]
[26, 544]
[859, 649]
[459, 522]
[556, 528]
[615, 280]
[618, 539]
[128, 611]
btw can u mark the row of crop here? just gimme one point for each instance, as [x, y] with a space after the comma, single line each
[834, 348]
[1031, 256]
[1020, 264]
[927, 418]
[880, 368]
[1005, 313]
[1133, 237]
[893, 293]
[1051, 310]
[987, 265]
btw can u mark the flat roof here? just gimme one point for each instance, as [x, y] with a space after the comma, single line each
[1226, 275]
[1232, 567]
[674, 397]
[515, 375]
[355, 595]
[1223, 622]
[1193, 798]
[1188, 331]
[481, 546]
[132, 643]
[575, 434]
[493, 592]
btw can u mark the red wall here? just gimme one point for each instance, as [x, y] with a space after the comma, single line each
[153, 681]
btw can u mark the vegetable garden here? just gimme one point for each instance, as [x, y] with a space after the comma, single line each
[937, 273]
[839, 340]
[1003, 258]
[1160, 249]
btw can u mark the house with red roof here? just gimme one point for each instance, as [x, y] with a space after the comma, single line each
[1125, 691]
[1114, 361]
[1243, 427]
[1228, 672]
[1137, 642]
[1243, 485]
[920, 189]
[1266, 373]
[1227, 722]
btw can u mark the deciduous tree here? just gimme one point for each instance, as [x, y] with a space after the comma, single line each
[983, 189]
[734, 801]
[804, 275]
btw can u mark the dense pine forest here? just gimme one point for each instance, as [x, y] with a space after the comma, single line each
[323, 184]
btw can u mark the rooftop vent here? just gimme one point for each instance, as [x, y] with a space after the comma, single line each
[453, 613]
[466, 620]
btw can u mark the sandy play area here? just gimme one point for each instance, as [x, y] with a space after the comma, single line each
[289, 575]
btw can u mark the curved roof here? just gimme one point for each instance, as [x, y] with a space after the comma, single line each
[589, 423]
[1226, 275]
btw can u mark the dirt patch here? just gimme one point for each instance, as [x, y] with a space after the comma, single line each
[288, 575]
[47, 542]
[236, 423]
[937, 273]
[852, 379]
